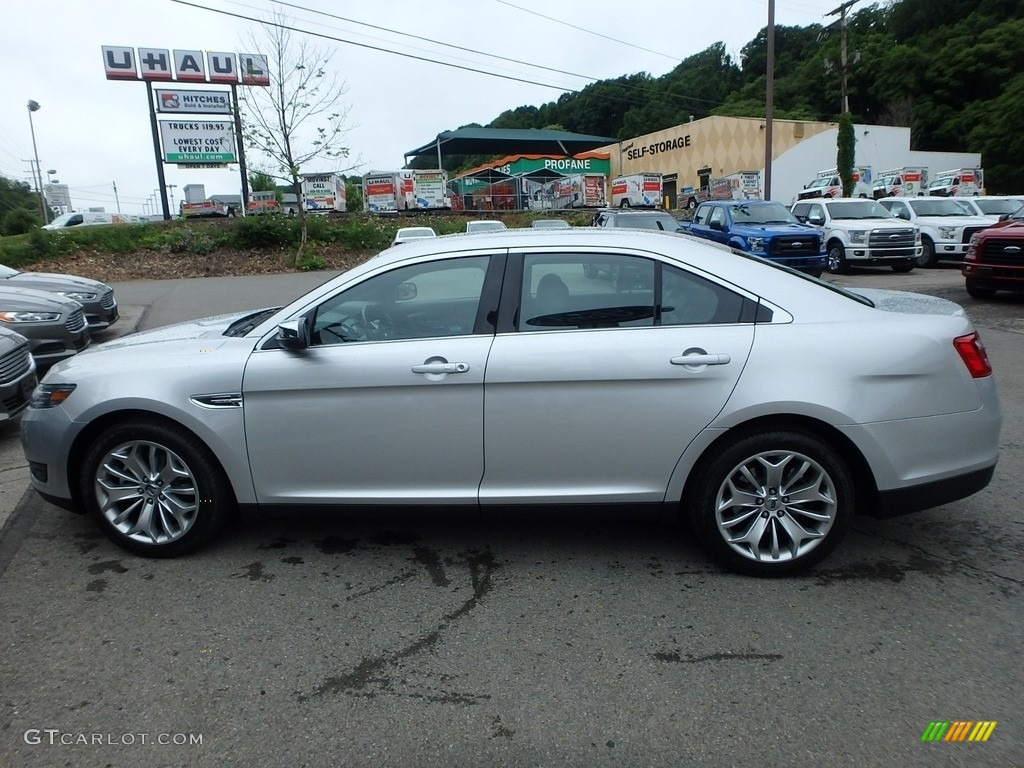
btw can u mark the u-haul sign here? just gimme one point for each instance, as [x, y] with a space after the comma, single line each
[193, 102]
[198, 141]
[122, 63]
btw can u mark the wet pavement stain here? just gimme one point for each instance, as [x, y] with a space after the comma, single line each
[501, 731]
[676, 658]
[107, 566]
[373, 676]
[430, 560]
[254, 572]
[96, 585]
[335, 545]
[293, 560]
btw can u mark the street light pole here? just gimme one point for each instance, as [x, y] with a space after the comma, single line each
[38, 174]
[171, 188]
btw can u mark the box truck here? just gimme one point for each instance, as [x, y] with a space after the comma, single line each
[323, 192]
[959, 182]
[638, 190]
[828, 184]
[900, 182]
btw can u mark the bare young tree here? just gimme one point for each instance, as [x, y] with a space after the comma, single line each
[300, 117]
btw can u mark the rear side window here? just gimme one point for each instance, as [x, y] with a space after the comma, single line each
[616, 291]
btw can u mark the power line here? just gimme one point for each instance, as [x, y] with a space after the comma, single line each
[588, 31]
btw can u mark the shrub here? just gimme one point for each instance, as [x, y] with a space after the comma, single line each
[366, 233]
[189, 240]
[39, 243]
[18, 222]
[266, 231]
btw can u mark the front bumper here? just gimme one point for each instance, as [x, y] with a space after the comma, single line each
[864, 255]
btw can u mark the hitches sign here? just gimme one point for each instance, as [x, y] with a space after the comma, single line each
[198, 141]
[192, 102]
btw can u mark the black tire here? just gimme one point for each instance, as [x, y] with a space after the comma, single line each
[624, 204]
[977, 291]
[803, 461]
[691, 204]
[927, 257]
[837, 263]
[189, 478]
[902, 268]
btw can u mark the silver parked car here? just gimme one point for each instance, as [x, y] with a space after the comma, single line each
[17, 374]
[497, 373]
[96, 298]
[54, 326]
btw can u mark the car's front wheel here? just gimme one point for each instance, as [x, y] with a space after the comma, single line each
[978, 291]
[772, 503]
[837, 263]
[154, 488]
[927, 257]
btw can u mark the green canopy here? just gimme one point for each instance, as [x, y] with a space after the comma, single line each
[507, 141]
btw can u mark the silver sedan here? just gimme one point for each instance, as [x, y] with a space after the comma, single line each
[585, 370]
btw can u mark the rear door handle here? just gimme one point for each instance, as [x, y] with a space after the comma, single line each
[701, 358]
[441, 368]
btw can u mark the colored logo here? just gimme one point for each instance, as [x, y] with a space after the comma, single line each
[958, 730]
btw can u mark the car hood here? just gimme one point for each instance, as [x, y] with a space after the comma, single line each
[48, 281]
[204, 328]
[956, 221]
[879, 223]
[909, 303]
[30, 300]
[759, 230]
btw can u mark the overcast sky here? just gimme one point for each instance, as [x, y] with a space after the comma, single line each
[95, 132]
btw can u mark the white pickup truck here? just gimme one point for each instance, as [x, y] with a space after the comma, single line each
[859, 232]
[946, 226]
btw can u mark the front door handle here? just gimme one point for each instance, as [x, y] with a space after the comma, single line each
[441, 368]
[701, 359]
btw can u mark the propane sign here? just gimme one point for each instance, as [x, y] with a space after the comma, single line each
[198, 141]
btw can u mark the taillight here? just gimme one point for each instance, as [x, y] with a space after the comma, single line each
[973, 353]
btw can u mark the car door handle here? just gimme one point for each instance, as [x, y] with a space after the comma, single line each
[441, 368]
[701, 359]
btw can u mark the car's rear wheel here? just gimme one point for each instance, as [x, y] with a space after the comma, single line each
[902, 268]
[927, 257]
[837, 263]
[772, 503]
[624, 204]
[154, 488]
[978, 291]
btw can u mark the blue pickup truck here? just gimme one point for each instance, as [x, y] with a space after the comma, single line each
[761, 228]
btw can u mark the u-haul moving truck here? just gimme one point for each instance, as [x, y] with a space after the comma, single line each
[828, 184]
[323, 192]
[638, 190]
[380, 191]
[959, 182]
[425, 189]
[900, 182]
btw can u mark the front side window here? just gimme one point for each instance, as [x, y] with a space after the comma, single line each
[717, 217]
[438, 298]
[616, 291]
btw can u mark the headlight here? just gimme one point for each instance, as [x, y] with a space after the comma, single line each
[755, 243]
[947, 233]
[51, 395]
[29, 317]
[78, 295]
[858, 235]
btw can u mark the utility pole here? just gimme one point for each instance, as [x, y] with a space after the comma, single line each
[116, 201]
[841, 12]
[769, 102]
[171, 188]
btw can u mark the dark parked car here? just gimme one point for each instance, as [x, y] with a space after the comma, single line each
[96, 298]
[995, 258]
[17, 374]
[54, 326]
[657, 221]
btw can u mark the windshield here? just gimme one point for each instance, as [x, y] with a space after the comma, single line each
[660, 222]
[61, 220]
[857, 209]
[768, 213]
[998, 206]
[938, 206]
[6, 272]
[825, 181]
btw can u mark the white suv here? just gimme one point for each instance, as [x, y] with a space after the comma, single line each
[946, 225]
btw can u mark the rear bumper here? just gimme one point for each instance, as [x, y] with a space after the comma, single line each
[903, 501]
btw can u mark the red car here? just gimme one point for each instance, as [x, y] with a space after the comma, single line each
[995, 258]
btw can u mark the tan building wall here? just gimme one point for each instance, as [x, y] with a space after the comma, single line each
[724, 144]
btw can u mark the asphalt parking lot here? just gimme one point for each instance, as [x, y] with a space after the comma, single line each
[422, 644]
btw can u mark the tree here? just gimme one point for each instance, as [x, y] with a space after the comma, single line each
[845, 148]
[299, 118]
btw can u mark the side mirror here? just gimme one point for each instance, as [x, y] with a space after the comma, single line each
[716, 225]
[294, 334]
[816, 220]
[406, 291]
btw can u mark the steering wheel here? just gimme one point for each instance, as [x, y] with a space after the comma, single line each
[377, 322]
[349, 329]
